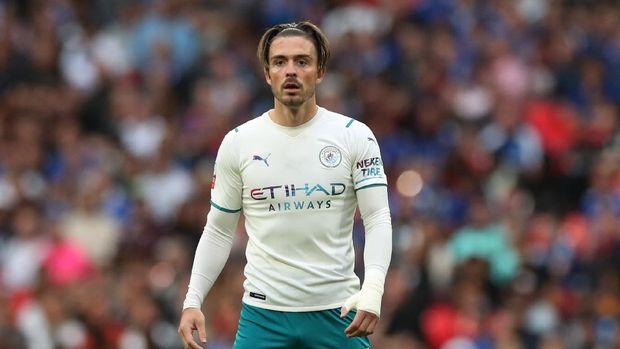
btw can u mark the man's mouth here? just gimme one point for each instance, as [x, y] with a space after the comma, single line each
[291, 85]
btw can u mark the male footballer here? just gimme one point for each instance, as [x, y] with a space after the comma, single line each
[297, 173]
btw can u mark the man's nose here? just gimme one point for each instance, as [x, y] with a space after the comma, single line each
[290, 69]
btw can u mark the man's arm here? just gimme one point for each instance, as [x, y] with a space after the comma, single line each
[216, 240]
[375, 212]
[211, 256]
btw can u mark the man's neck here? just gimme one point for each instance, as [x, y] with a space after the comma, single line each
[291, 117]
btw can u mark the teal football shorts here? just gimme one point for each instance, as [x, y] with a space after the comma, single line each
[269, 329]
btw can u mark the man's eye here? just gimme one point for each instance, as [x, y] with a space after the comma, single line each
[278, 63]
[302, 62]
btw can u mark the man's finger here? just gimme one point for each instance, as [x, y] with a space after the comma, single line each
[371, 327]
[366, 319]
[188, 339]
[355, 324]
[368, 326]
[362, 325]
[202, 332]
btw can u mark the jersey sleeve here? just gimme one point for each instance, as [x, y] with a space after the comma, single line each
[226, 186]
[367, 167]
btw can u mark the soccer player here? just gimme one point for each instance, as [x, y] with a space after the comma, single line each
[297, 172]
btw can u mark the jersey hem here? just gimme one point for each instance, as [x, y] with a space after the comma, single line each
[249, 301]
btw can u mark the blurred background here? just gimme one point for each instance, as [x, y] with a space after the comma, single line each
[497, 119]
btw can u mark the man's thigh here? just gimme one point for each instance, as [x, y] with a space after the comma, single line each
[267, 329]
[325, 330]
[264, 329]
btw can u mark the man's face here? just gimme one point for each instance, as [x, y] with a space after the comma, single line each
[293, 71]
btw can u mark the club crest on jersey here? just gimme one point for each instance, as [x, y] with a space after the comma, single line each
[330, 156]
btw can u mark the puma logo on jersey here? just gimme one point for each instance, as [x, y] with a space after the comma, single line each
[260, 158]
[372, 140]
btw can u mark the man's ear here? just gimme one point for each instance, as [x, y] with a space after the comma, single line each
[267, 77]
[320, 76]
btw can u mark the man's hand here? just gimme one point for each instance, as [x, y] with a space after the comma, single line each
[368, 304]
[363, 323]
[192, 320]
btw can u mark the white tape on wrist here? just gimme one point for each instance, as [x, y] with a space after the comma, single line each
[367, 299]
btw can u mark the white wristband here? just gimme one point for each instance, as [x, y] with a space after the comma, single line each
[367, 299]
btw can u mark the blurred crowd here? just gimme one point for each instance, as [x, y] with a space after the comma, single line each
[497, 119]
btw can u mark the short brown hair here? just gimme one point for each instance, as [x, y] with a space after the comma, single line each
[305, 29]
